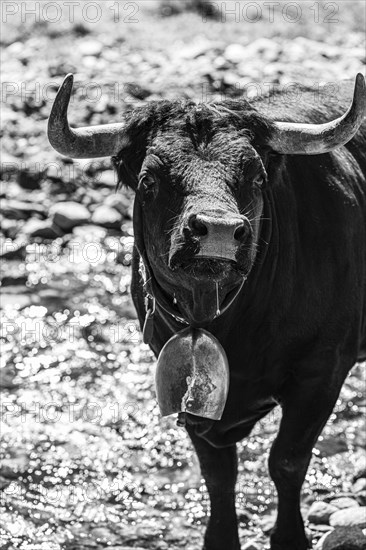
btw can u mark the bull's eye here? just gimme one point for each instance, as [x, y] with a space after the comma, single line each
[147, 182]
[259, 182]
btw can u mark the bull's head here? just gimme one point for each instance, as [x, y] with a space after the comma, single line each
[199, 172]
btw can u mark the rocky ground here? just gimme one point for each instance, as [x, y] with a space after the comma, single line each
[87, 461]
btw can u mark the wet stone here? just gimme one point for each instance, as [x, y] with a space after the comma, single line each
[360, 467]
[69, 214]
[320, 512]
[344, 538]
[120, 202]
[332, 445]
[344, 502]
[359, 485]
[90, 47]
[13, 250]
[11, 275]
[349, 517]
[12, 468]
[4, 482]
[235, 53]
[44, 229]
[21, 210]
[107, 217]
[30, 179]
[90, 232]
[10, 228]
[108, 178]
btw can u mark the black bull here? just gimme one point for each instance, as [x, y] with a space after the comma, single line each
[296, 225]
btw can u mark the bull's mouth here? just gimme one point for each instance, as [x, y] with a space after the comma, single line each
[208, 268]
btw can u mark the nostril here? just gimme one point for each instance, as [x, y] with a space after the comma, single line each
[197, 226]
[240, 232]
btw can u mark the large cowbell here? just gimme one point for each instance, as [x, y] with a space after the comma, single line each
[192, 375]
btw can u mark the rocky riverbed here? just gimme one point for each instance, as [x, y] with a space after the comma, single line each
[87, 463]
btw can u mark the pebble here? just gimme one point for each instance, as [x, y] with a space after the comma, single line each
[12, 250]
[108, 178]
[18, 301]
[30, 179]
[331, 445]
[12, 468]
[343, 538]
[4, 482]
[235, 53]
[89, 232]
[8, 164]
[54, 172]
[21, 210]
[68, 214]
[10, 228]
[137, 91]
[320, 512]
[120, 202]
[349, 517]
[360, 467]
[359, 485]
[107, 216]
[103, 534]
[267, 523]
[343, 503]
[44, 229]
[13, 278]
[90, 47]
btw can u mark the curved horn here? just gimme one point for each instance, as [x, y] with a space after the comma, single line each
[313, 139]
[83, 143]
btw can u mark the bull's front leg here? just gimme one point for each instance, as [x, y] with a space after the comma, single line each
[219, 469]
[305, 409]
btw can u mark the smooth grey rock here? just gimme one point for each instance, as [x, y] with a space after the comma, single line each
[108, 178]
[89, 232]
[12, 468]
[320, 512]
[12, 250]
[359, 485]
[120, 202]
[343, 538]
[332, 445]
[30, 179]
[21, 210]
[107, 216]
[344, 502]
[68, 214]
[41, 228]
[349, 517]
[235, 53]
[90, 47]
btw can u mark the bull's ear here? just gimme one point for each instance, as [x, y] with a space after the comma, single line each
[126, 175]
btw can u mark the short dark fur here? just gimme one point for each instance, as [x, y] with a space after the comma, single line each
[299, 324]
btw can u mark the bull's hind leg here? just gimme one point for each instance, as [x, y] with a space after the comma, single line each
[219, 469]
[305, 411]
